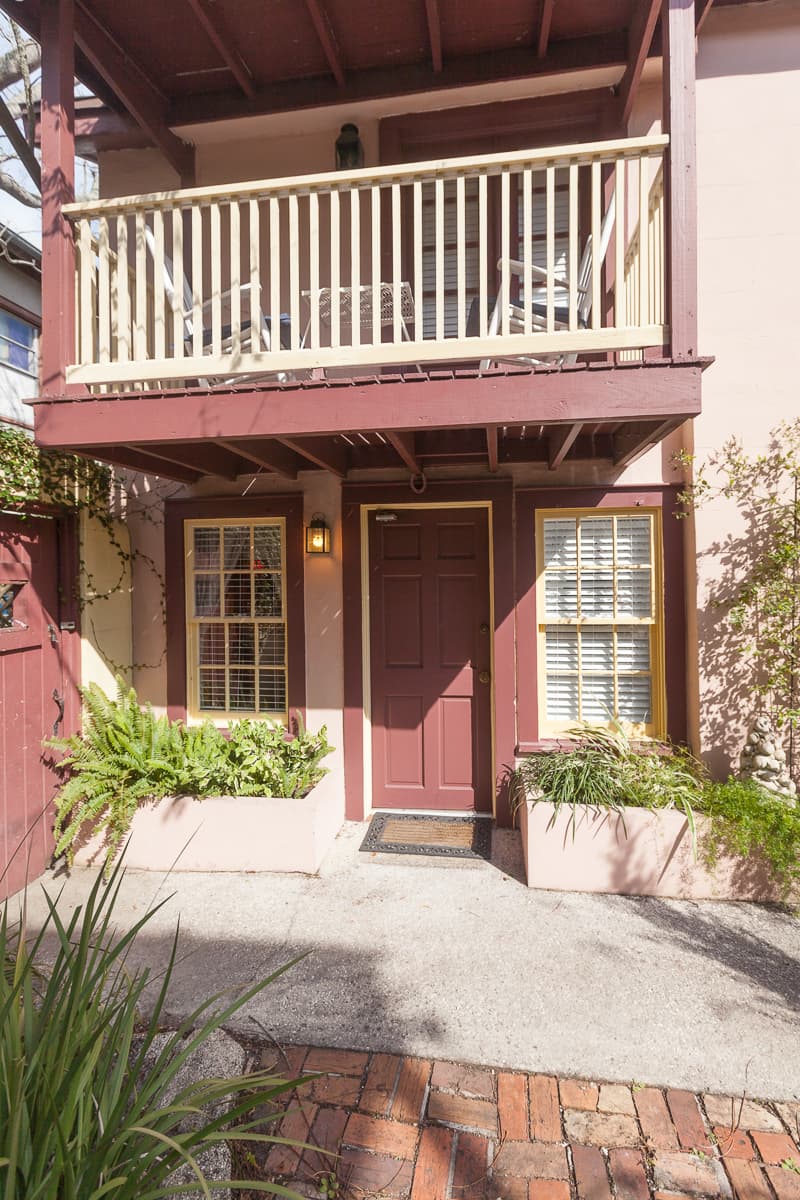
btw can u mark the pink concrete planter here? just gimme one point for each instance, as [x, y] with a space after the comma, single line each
[231, 833]
[650, 855]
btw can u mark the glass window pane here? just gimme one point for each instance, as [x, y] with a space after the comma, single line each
[237, 548]
[267, 547]
[597, 541]
[241, 644]
[635, 702]
[238, 601]
[561, 594]
[268, 596]
[561, 648]
[272, 691]
[597, 697]
[212, 689]
[597, 649]
[633, 593]
[560, 546]
[211, 644]
[562, 697]
[242, 690]
[206, 596]
[633, 540]
[597, 594]
[271, 645]
[206, 549]
[633, 649]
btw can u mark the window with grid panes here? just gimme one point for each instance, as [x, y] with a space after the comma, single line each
[599, 620]
[236, 618]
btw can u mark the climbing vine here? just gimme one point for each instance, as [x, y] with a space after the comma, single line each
[758, 596]
[33, 477]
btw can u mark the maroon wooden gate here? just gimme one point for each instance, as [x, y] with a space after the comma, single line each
[430, 654]
[33, 691]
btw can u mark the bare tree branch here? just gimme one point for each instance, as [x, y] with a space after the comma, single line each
[30, 115]
[12, 70]
[14, 188]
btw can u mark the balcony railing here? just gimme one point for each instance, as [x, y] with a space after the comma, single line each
[537, 255]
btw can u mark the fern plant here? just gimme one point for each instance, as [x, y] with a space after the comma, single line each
[126, 754]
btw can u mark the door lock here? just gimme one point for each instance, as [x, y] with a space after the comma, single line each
[483, 627]
[483, 677]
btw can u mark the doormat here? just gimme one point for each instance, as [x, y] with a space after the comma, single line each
[449, 837]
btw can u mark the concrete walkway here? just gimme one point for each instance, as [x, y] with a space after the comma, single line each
[460, 961]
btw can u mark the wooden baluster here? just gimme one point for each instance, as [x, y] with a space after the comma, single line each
[483, 257]
[159, 330]
[375, 262]
[551, 245]
[123, 292]
[336, 295]
[197, 281]
[620, 209]
[438, 190]
[505, 274]
[235, 277]
[254, 231]
[527, 249]
[644, 243]
[313, 252]
[178, 300]
[461, 257]
[419, 286]
[294, 270]
[103, 293]
[355, 266]
[140, 285]
[597, 202]
[215, 251]
[86, 278]
[574, 230]
[397, 217]
[274, 274]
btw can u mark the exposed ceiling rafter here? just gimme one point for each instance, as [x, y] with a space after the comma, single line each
[327, 39]
[545, 21]
[322, 452]
[220, 39]
[135, 460]
[633, 440]
[492, 447]
[129, 82]
[640, 39]
[205, 458]
[265, 453]
[560, 443]
[434, 33]
[403, 443]
[702, 9]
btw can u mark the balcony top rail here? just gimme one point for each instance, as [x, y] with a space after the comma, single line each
[534, 256]
[581, 153]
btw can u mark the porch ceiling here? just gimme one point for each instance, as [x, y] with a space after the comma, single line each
[542, 415]
[202, 60]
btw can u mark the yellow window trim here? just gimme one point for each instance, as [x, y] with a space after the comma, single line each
[656, 728]
[194, 714]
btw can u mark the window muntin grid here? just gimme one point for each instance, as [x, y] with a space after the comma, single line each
[599, 624]
[236, 618]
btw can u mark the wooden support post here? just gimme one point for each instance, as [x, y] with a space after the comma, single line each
[677, 20]
[58, 188]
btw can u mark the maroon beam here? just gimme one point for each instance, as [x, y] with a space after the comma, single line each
[325, 34]
[545, 22]
[220, 39]
[434, 33]
[643, 27]
[58, 188]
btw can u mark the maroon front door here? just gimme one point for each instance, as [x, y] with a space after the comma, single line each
[31, 691]
[430, 657]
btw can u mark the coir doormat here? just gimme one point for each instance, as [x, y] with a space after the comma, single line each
[449, 837]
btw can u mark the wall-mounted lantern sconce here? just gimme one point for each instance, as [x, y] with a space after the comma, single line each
[349, 150]
[318, 536]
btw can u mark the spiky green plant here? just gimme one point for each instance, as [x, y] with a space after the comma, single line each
[88, 1108]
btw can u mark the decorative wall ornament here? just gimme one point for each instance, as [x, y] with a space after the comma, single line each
[763, 760]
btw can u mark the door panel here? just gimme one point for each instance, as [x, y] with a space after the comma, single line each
[30, 672]
[431, 714]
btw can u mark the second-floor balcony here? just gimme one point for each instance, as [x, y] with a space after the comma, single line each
[545, 256]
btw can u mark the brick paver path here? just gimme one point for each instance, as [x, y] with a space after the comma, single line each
[404, 1127]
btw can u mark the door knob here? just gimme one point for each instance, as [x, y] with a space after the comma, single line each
[483, 677]
[483, 628]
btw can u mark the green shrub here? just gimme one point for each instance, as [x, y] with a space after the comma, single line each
[745, 819]
[125, 754]
[607, 771]
[87, 1107]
